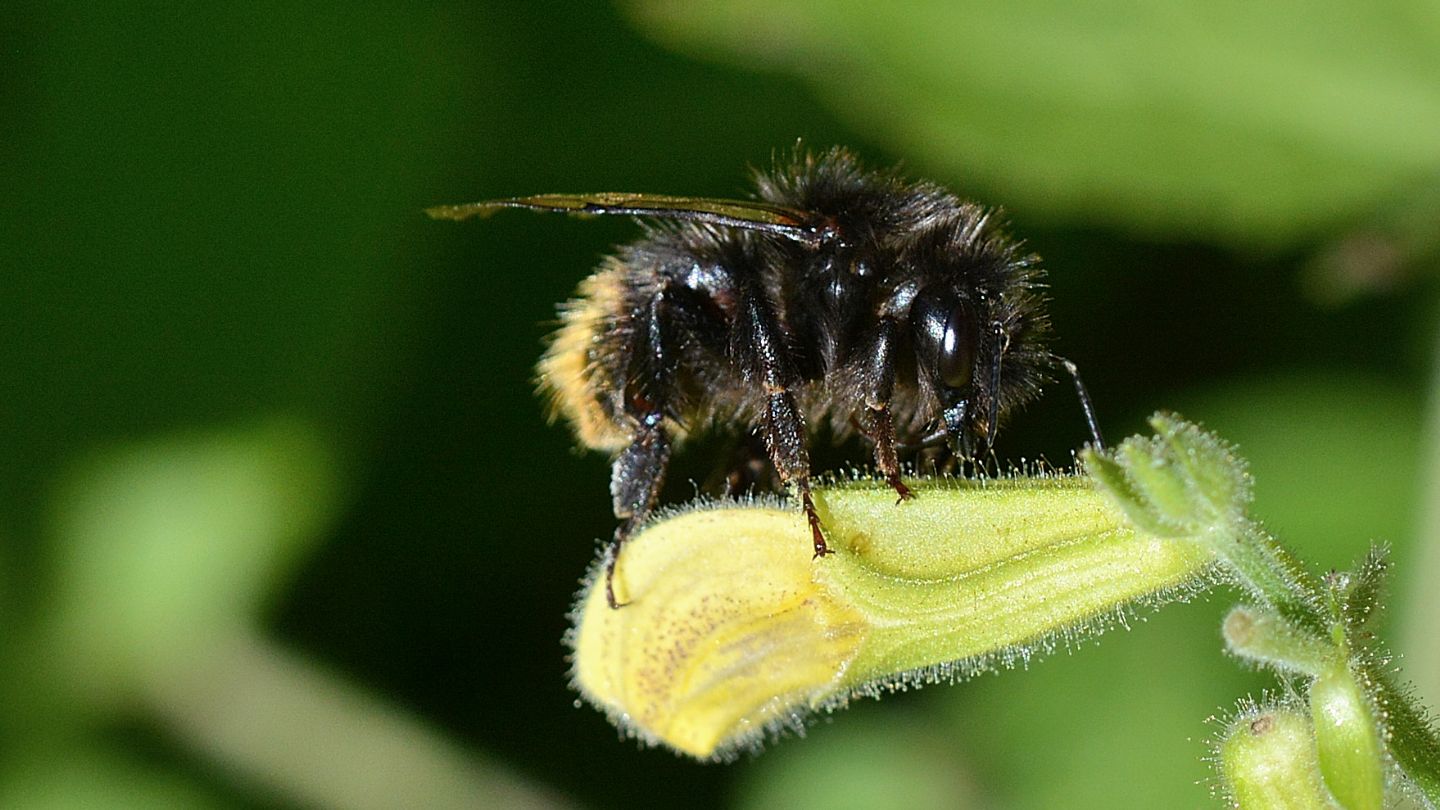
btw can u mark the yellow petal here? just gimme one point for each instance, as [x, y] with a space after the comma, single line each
[724, 635]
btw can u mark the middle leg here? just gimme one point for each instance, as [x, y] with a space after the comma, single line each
[785, 439]
[763, 353]
[879, 382]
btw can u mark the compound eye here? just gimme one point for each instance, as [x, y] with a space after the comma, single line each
[955, 360]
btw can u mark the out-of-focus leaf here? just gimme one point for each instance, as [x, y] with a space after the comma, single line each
[1253, 123]
[1418, 619]
[166, 549]
[275, 720]
[1114, 725]
[91, 777]
[213, 211]
[1381, 254]
[890, 758]
[1335, 459]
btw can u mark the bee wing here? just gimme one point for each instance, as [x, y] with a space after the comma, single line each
[791, 223]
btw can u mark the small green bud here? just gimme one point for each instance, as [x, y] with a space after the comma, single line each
[1348, 739]
[1133, 499]
[1184, 482]
[1215, 473]
[1181, 482]
[1267, 761]
[1157, 475]
[1261, 636]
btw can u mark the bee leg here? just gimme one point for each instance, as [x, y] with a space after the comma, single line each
[758, 344]
[785, 438]
[956, 414]
[635, 480]
[612, 555]
[929, 441]
[746, 471]
[880, 375]
[939, 460]
[882, 432]
[639, 470]
[817, 537]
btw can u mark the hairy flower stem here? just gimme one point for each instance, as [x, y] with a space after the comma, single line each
[1185, 482]
[1272, 574]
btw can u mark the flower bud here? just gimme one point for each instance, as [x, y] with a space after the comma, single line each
[1267, 759]
[1348, 739]
[1259, 635]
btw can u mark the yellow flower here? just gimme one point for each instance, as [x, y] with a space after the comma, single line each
[732, 631]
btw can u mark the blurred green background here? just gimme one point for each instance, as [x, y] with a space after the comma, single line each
[281, 524]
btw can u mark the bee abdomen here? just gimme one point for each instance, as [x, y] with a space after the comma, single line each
[572, 374]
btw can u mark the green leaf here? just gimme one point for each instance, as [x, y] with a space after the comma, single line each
[87, 775]
[221, 215]
[1255, 123]
[165, 549]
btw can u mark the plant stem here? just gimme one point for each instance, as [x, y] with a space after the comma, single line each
[1270, 572]
[1412, 740]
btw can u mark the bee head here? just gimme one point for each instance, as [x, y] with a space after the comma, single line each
[977, 327]
[948, 349]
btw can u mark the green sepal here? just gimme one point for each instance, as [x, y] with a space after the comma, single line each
[1363, 591]
[1347, 739]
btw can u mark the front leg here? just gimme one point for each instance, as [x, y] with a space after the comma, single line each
[882, 433]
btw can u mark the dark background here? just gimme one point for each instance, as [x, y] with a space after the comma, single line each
[253, 393]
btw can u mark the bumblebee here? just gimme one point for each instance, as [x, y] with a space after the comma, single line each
[838, 294]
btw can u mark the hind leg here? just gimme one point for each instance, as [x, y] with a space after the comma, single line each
[635, 480]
